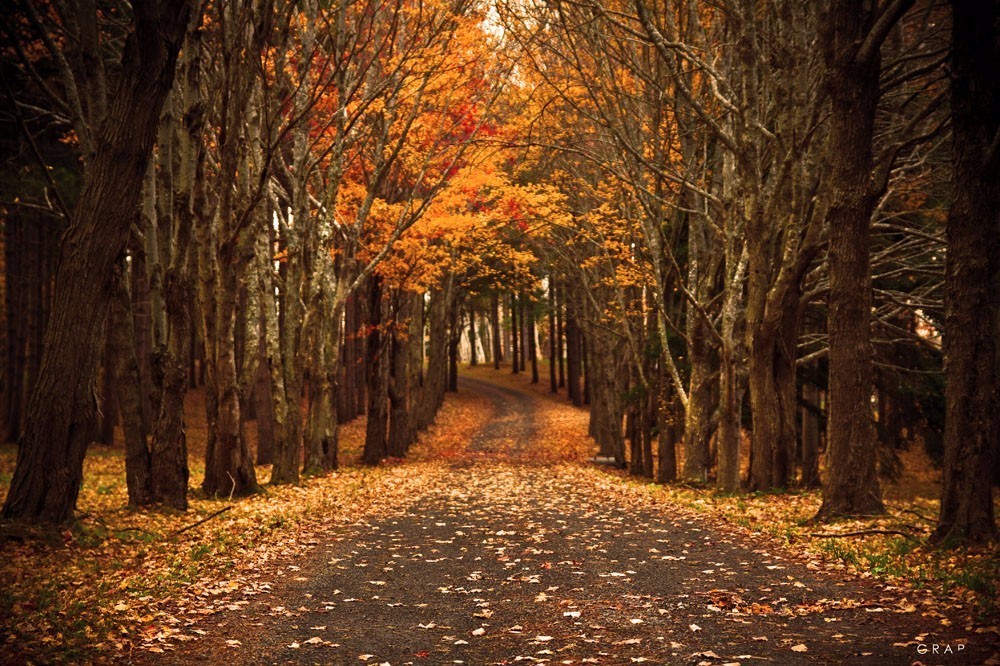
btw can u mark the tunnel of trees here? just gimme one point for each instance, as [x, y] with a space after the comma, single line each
[760, 241]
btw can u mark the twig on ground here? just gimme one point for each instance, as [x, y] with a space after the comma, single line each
[915, 513]
[838, 535]
[203, 520]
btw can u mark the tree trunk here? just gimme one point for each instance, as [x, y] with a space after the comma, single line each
[810, 435]
[852, 486]
[553, 383]
[730, 398]
[972, 280]
[573, 359]
[346, 402]
[454, 338]
[473, 359]
[264, 407]
[515, 356]
[399, 378]
[532, 343]
[359, 382]
[376, 436]
[522, 323]
[437, 357]
[560, 334]
[229, 468]
[108, 407]
[497, 347]
[49, 468]
[168, 449]
[667, 426]
[321, 436]
[698, 416]
[138, 462]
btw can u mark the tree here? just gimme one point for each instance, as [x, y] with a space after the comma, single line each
[972, 282]
[57, 427]
[851, 38]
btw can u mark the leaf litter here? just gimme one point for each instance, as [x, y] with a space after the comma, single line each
[511, 535]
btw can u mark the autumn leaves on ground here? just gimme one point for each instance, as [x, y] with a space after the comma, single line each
[496, 542]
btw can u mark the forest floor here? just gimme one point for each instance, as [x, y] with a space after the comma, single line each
[497, 542]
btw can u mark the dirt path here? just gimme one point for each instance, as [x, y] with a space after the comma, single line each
[513, 561]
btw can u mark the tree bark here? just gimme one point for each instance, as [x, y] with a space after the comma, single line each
[666, 419]
[698, 416]
[972, 280]
[573, 360]
[560, 333]
[532, 343]
[497, 346]
[852, 79]
[376, 435]
[810, 435]
[473, 358]
[49, 468]
[400, 395]
[454, 338]
[515, 356]
[138, 462]
[553, 383]
[264, 407]
[169, 442]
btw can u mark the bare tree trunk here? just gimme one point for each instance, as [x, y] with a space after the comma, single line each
[346, 403]
[852, 52]
[522, 322]
[810, 435]
[400, 398]
[573, 358]
[138, 462]
[698, 416]
[972, 283]
[265, 404]
[169, 442]
[560, 334]
[360, 383]
[229, 467]
[553, 383]
[515, 356]
[49, 469]
[495, 324]
[667, 419]
[454, 338]
[532, 343]
[437, 356]
[376, 435]
[473, 360]
[107, 408]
